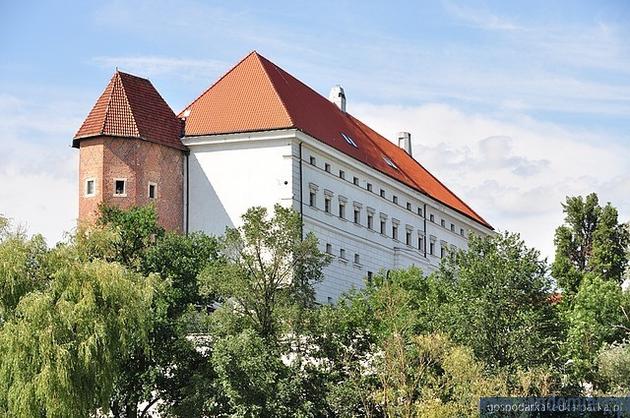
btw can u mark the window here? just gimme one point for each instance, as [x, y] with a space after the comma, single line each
[313, 161]
[461, 231]
[443, 223]
[328, 248]
[357, 259]
[349, 140]
[342, 210]
[311, 199]
[395, 199]
[369, 276]
[327, 204]
[90, 187]
[370, 221]
[120, 187]
[453, 227]
[432, 248]
[357, 216]
[395, 231]
[382, 193]
[420, 243]
[342, 253]
[408, 238]
[152, 192]
[419, 211]
[390, 163]
[327, 167]
[383, 225]
[408, 206]
[442, 251]
[432, 218]
[369, 187]
[355, 180]
[342, 174]
[330, 300]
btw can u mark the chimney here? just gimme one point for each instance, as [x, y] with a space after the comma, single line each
[338, 97]
[404, 141]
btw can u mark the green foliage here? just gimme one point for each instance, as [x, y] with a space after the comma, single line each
[20, 265]
[69, 336]
[269, 271]
[173, 372]
[613, 368]
[138, 229]
[256, 381]
[496, 301]
[598, 316]
[591, 240]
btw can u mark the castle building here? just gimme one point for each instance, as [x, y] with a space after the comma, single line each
[257, 137]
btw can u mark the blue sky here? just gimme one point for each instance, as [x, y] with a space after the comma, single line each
[513, 104]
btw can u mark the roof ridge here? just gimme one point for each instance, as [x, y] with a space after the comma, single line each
[113, 80]
[262, 61]
[126, 98]
[216, 82]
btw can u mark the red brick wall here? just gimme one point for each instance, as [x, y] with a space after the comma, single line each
[139, 162]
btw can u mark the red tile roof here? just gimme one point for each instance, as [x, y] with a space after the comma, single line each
[258, 95]
[131, 107]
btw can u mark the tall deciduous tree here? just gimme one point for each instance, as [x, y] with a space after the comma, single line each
[591, 240]
[73, 322]
[173, 373]
[269, 271]
[498, 303]
[265, 283]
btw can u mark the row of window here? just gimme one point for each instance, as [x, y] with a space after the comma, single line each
[369, 187]
[370, 221]
[120, 188]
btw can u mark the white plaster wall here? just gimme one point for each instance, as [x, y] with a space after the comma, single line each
[230, 173]
[227, 177]
[376, 251]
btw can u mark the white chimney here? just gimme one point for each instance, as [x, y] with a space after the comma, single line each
[404, 141]
[338, 97]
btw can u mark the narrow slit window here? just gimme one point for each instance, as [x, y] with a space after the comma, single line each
[152, 192]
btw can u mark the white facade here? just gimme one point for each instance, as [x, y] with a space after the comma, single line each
[230, 173]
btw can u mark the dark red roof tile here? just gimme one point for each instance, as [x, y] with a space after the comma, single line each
[131, 107]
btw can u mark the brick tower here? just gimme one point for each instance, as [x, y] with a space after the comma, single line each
[131, 153]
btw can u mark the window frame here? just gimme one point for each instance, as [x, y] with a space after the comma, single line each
[85, 190]
[155, 194]
[124, 193]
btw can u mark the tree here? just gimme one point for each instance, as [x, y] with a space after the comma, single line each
[174, 372]
[73, 322]
[591, 240]
[269, 271]
[265, 284]
[613, 368]
[497, 301]
[598, 317]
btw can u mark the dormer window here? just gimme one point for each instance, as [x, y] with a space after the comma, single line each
[390, 163]
[349, 140]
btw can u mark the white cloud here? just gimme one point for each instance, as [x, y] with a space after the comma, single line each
[513, 172]
[38, 167]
